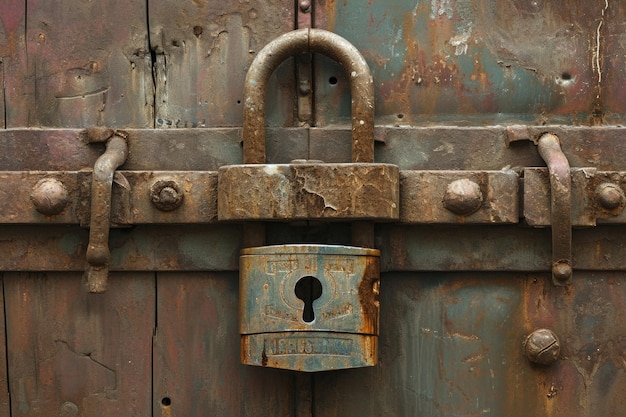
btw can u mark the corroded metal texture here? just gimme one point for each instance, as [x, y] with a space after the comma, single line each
[426, 197]
[300, 41]
[597, 197]
[286, 322]
[451, 344]
[480, 61]
[308, 191]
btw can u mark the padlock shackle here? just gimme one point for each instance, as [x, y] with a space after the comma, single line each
[313, 41]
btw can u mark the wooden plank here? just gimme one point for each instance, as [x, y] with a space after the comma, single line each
[73, 353]
[203, 49]
[197, 369]
[16, 97]
[77, 63]
[2, 96]
[5, 401]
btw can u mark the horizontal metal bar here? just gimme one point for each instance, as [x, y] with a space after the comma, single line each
[411, 148]
[199, 204]
[467, 197]
[597, 197]
[403, 248]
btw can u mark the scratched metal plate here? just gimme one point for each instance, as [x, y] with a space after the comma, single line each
[481, 61]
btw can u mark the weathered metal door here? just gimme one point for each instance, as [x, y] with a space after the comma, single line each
[504, 118]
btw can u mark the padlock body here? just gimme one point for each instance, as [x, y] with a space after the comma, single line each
[350, 191]
[287, 323]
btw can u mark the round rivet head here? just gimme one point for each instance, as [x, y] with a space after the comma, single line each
[542, 347]
[49, 196]
[68, 409]
[610, 196]
[166, 195]
[463, 197]
[562, 271]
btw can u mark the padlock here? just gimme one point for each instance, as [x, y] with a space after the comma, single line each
[309, 307]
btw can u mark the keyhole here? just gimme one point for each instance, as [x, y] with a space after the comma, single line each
[308, 289]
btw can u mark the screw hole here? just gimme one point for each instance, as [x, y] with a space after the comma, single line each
[166, 401]
[566, 76]
[400, 116]
[332, 80]
[197, 30]
[238, 101]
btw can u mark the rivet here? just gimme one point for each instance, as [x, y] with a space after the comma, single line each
[542, 347]
[68, 409]
[463, 197]
[305, 6]
[49, 196]
[562, 271]
[166, 195]
[610, 196]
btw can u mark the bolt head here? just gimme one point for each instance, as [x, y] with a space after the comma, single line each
[305, 6]
[49, 196]
[542, 347]
[610, 196]
[562, 271]
[166, 195]
[463, 197]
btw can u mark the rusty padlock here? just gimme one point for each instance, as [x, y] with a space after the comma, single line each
[309, 307]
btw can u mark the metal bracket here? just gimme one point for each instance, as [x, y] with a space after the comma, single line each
[98, 254]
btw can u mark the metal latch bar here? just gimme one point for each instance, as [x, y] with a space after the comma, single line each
[549, 148]
[98, 254]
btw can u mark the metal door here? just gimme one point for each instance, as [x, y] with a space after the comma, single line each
[463, 90]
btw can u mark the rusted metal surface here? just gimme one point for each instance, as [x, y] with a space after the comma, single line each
[480, 61]
[411, 148]
[308, 191]
[299, 41]
[304, 68]
[427, 197]
[452, 344]
[98, 254]
[550, 150]
[199, 205]
[284, 324]
[597, 197]
[71, 350]
[201, 51]
[197, 370]
[164, 248]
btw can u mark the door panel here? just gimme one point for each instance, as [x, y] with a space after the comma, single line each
[197, 370]
[75, 63]
[5, 402]
[451, 345]
[202, 50]
[73, 353]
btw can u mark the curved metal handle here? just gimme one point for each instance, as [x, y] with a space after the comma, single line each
[549, 148]
[98, 254]
[300, 41]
